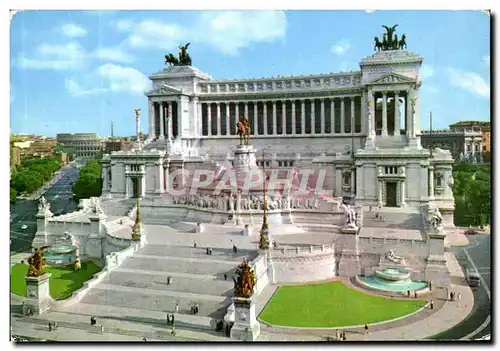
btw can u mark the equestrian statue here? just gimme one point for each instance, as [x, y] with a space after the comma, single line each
[243, 130]
[183, 60]
[390, 40]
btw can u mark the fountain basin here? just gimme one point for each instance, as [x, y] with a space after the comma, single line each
[60, 254]
[392, 274]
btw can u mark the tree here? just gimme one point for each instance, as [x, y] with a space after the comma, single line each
[89, 181]
[13, 195]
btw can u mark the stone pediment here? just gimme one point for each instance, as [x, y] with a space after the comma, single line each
[165, 90]
[392, 78]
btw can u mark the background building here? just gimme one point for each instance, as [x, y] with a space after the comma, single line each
[84, 144]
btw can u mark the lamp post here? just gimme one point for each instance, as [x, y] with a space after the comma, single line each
[264, 230]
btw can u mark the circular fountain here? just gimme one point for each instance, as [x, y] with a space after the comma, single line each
[61, 254]
[393, 280]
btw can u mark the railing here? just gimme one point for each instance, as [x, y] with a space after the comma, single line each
[298, 250]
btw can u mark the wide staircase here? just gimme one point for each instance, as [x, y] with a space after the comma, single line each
[138, 291]
[393, 218]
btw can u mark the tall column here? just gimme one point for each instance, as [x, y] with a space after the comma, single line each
[313, 117]
[397, 117]
[322, 114]
[384, 114]
[255, 118]
[283, 117]
[246, 109]
[237, 112]
[170, 122]
[353, 116]
[228, 120]
[403, 192]
[218, 118]
[408, 114]
[151, 132]
[381, 192]
[332, 115]
[302, 117]
[275, 117]
[209, 118]
[342, 115]
[265, 117]
[294, 119]
[162, 120]
[431, 182]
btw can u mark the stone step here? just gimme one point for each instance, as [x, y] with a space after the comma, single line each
[127, 322]
[143, 280]
[205, 259]
[178, 266]
[153, 301]
[218, 253]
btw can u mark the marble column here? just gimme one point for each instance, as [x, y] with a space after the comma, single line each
[265, 117]
[332, 115]
[228, 120]
[170, 118]
[431, 181]
[302, 116]
[275, 117]
[218, 118]
[322, 116]
[160, 182]
[342, 115]
[209, 118]
[237, 112]
[397, 117]
[162, 120]
[294, 119]
[384, 114]
[255, 118]
[381, 192]
[408, 114]
[283, 117]
[313, 116]
[166, 177]
[246, 109]
[152, 133]
[403, 193]
[353, 116]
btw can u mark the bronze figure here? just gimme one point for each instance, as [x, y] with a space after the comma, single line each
[245, 283]
[37, 262]
[243, 130]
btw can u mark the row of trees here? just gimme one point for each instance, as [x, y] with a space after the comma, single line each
[472, 191]
[31, 175]
[89, 181]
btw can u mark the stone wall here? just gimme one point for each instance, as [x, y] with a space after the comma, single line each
[259, 264]
[300, 264]
[401, 247]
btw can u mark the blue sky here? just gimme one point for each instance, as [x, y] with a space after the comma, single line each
[76, 71]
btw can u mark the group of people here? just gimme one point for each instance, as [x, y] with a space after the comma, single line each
[339, 335]
[170, 319]
[209, 251]
[195, 309]
[52, 326]
[454, 296]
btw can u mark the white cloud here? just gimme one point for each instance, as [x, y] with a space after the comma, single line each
[73, 30]
[57, 57]
[426, 71]
[470, 81]
[227, 31]
[369, 11]
[115, 54]
[341, 47]
[486, 59]
[112, 78]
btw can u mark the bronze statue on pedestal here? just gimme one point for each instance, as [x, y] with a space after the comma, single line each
[183, 60]
[243, 130]
[245, 282]
[37, 262]
[390, 40]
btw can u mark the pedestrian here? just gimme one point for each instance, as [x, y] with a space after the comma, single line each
[366, 329]
[210, 251]
[369, 208]
[430, 286]
[144, 339]
[458, 296]
[207, 251]
[415, 294]
[50, 326]
[452, 296]
[337, 334]
[92, 320]
[194, 244]
[173, 320]
[168, 318]
[432, 305]
[169, 279]
[176, 309]
[55, 325]
[102, 328]
[225, 276]
[408, 293]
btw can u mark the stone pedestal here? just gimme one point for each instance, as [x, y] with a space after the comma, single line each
[246, 327]
[248, 230]
[200, 228]
[38, 296]
[349, 265]
[436, 269]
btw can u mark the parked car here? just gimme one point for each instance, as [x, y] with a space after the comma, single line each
[24, 227]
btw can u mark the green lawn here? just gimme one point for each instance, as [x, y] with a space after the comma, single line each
[63, 280]
[332, 305]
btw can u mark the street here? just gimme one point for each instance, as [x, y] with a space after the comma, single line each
[474, 326]
[23, 212]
